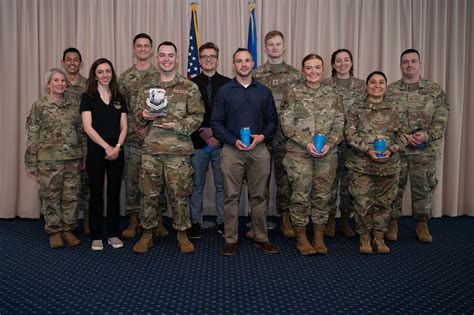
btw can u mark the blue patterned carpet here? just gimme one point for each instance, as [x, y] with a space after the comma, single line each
[415, 278]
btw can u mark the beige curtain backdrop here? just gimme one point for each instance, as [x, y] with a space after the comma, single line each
[34, 34]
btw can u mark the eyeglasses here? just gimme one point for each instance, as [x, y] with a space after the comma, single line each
[206, 57]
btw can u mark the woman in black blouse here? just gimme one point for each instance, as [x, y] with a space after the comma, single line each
[104, 117]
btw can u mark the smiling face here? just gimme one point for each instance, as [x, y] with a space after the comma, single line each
[313, 71]
[57, 84]
[410, 66]
[243, 64]
[167, 58]
[103, 74]
[71, 63]
[342, 64]
[376, 86]
[142, 49]
[208, 59]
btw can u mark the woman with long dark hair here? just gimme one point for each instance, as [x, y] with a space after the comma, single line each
[104, 117]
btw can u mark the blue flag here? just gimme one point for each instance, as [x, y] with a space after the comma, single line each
[252, 36]
[193, 56]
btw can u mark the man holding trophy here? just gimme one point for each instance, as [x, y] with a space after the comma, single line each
[173, 109]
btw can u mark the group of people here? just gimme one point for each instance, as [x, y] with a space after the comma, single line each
[160, 131]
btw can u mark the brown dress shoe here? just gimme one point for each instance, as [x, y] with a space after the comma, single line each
[267, 247]
[229, 249]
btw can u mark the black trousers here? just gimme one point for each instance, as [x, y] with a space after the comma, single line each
[97, 167]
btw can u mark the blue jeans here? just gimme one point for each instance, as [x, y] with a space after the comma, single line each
[200, 162]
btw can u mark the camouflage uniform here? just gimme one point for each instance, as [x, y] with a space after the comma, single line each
[166, 153]
[279, 77]
[130, 81]
[351, 91]
[53, 150]
[373, 185]
[306, 112]
[426, 108]
[73, 94]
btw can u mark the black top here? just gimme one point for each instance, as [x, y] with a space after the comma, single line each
[105, 118]
[237, 107]
[217, 80]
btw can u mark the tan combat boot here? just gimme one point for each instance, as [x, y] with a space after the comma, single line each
[302, 243]
[422, 231]
[318, 239]
[56, 240]
[330, 229]
[133, 226]
[379, 243]
[346, 228]
[145, 242]
[286, 227]
[392, 233]
[70, 238]
[183, 242]
[364, 244]
[160, 230]
[250, 234]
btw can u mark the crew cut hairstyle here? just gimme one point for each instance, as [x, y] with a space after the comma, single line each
[92, 83]
[239, 50]
[142, 35]
[409, 51]
[74, 50]
[167, 43]
[272, 34]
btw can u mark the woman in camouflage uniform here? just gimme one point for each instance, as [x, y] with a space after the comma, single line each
[352, 91]
[53, 155]
[373, 178]
[311, 108]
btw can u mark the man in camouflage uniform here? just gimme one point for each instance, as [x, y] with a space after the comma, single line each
[173, 109]
[278, 76]
[76, 85]
[130, 81]
[311, 108]
[352, 91]
[54, 156]
[426, 108]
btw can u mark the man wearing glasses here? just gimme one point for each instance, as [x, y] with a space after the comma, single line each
[207, 147]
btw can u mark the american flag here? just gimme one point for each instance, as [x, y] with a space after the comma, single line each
[193, 58]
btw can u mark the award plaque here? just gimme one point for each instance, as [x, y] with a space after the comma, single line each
[157, 102]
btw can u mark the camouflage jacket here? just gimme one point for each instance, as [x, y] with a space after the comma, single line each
[73, 96]
[183, 105]
[52, 132]
[425, 108]
[130, 81]
[367, 122]
[306, 112]
[351, 94]
[278, 78]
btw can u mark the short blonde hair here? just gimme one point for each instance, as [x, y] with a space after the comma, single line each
[49, 75]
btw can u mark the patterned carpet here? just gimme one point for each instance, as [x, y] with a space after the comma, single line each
[414, 279]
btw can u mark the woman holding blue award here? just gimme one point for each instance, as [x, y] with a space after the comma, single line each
[374, 132]
[312, 118]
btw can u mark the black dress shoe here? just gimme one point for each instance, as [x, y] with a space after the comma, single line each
[267, 247]
[229, 249]
[195, 231]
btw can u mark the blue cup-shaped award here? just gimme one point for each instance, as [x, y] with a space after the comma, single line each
[245, 136]
[380, 145]
[319, 141]
[208, 149]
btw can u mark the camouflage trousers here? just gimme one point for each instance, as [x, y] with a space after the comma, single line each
[283, 187]
[311, 180]
[59, 186]
[174, 172]
[373, 196]
[341, 184]
[133, 160]
[85, 194]
[422, 172]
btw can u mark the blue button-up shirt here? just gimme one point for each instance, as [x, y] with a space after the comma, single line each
[238, 107]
